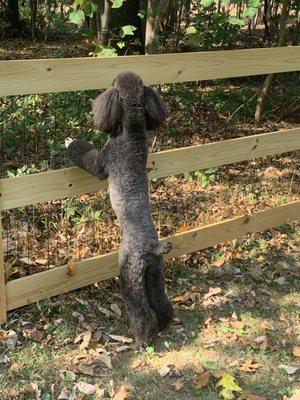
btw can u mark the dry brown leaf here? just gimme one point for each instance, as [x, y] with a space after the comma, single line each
[116, 309]
[71, 269]
[164, 371]
[86, 388]
[14, 369]
[123, 392]
[119, 338]
[202, 380]
[85, 369]
[249, 366]
[212, 292]
[296, 351]
[250, 396]
[282, 318]
[182, 228]
[177, 384]
[267, 325]
[86, 338]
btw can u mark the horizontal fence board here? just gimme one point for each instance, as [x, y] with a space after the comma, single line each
[53, 185]
[2, 279]
[53, 282]
[18, 77]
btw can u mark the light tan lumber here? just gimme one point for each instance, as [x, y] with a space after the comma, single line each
[53, 282]
[52, 185]
[19, 77]
[2, 279]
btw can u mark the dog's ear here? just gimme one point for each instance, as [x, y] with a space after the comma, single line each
[155, 109]
[107, 111]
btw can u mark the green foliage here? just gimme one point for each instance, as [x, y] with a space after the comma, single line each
[117, 3]
[205, 177]
[211, 28]
[127, 30]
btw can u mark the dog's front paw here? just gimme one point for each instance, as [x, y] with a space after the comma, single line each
[68, 141]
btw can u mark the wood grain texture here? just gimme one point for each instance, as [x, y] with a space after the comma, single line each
[2, 279]
[53, 185]
[53, 282]
[19, 77]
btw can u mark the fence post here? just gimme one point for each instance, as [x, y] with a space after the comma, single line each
[2, 279]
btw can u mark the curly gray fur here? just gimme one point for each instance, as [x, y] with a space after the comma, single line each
[125, 111]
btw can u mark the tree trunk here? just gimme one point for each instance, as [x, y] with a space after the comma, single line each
[13, 14]
[33, 11]
[105, 23]
[156, 14]
[265, 20]
[152, 28]
[268, 82]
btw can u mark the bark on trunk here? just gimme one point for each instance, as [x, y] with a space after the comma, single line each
[268, 82]
[33, 12]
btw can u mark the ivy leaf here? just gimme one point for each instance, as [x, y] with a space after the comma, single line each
[235, 21]
[254, 3]
[207, 3]
[121, 44]
[76, 16]
[226, 3]
[229, 386]
[105, 51]
[90, 8]
[127, 30]
[190, 30]
[142, 13]
[117, 3]
[249, 12]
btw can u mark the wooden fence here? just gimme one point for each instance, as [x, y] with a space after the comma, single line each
[41, 76]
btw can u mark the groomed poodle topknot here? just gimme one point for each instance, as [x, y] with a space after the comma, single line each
[126, 111]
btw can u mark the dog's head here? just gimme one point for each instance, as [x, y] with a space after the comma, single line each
[127, 86]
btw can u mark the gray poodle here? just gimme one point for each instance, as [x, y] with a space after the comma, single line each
[126, 111]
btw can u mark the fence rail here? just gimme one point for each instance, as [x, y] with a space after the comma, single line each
[53, 185]
[60, 75]
[41, 76]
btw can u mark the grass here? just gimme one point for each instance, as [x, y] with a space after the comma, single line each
[214, 337]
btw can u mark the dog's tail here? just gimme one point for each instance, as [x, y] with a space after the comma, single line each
[157, 248]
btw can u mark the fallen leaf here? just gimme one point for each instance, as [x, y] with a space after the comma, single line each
[202, 380]
[229, 385]
[86, 338]
[119, 338]
[122, 348]
[116, 309]
[289, 369]
[212, 292]
[249, 366]
[267, 325]
[86, 388]
[164, 371]
[123, 392]
[296, 351]
[177, 384]
[250, 396]
[295, 396]
[11, 340]
[71, 269]
[85, 369]
[79, 316]
[105, 311]
[38, 392]
[282, 318]
[14, 369]
[64, 394]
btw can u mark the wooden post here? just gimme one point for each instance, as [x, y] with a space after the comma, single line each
[2, 279]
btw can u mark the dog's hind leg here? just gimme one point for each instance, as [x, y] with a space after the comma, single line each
[157, 297]
[142, 318]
